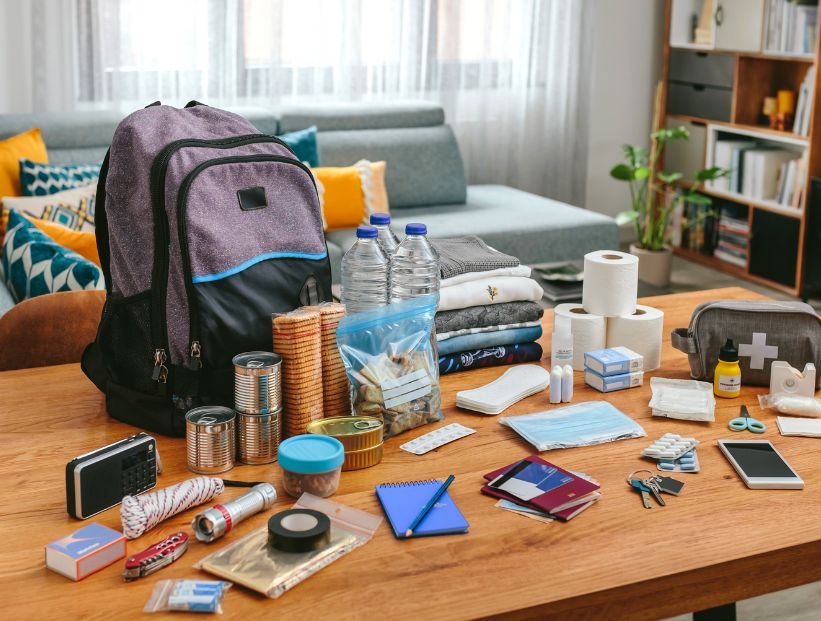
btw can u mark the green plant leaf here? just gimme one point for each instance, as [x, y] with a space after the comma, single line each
[699, 199]
[667, 134]
[641, 173]
[708, 174]
[626, 216]
[635, 156]
[622, 172]
[670, 178]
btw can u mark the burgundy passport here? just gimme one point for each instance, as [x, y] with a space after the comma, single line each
[563, 502]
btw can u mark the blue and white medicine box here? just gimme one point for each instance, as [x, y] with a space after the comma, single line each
[613, 382]
[613, 361]
[88, 550]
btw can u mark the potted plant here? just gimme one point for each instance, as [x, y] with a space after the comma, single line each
[654, 195]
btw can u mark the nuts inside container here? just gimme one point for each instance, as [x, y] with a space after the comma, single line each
[311, 463]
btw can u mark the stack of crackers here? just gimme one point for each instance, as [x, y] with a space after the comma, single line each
[336, 389]
[297, 339]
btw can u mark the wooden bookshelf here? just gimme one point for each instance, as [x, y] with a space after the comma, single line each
[738, 42]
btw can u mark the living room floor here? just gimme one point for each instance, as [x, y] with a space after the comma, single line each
[689, 276]
[800, 603]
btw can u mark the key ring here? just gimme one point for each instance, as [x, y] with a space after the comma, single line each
[630, 476]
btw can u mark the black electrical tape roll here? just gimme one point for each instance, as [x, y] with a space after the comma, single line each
[299, 530]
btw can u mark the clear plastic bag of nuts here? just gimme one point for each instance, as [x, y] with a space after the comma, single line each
[391, 363]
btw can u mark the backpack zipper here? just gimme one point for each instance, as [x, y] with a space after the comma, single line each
[159, 274]
[182, 227]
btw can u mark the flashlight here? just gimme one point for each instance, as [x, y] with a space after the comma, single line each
[213, 523]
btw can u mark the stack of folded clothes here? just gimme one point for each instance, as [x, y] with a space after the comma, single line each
[488, 307]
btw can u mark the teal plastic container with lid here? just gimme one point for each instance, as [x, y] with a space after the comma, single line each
[311, 463]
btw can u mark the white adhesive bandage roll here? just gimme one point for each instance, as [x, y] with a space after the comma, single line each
[640, 332]
[589, 331]
[610, 283]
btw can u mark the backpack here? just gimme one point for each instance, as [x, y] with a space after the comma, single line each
[205, 227]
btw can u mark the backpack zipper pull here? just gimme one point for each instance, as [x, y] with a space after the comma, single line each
[195, 363]
[160, 373]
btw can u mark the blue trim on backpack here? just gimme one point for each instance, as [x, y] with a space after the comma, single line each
[310, 256]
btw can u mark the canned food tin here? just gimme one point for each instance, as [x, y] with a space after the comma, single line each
[356, 433]
[257, 382]
[356, 460]
[209, 435]
[258, 437]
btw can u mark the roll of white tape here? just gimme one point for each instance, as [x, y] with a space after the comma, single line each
[589, 331]
[610, 283]
[641, 331]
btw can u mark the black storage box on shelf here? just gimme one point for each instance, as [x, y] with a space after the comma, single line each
[774, 246]
[701, 85]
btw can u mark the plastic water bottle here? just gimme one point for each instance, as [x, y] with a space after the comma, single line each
[414, 266]
[365, 273]
[386, 237]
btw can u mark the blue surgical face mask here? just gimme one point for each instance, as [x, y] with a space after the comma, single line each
[581, 424]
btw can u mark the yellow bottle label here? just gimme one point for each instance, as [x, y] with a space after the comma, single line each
[729, 383]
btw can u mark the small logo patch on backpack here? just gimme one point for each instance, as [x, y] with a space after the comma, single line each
[252, 198]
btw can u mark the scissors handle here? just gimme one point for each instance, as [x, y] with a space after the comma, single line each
[738, 424]
[756, 426]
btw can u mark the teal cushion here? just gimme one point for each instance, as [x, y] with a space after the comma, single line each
[34, 264]
[303, 142]
[43, 179]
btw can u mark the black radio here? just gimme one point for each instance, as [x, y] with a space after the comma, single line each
[100, 479]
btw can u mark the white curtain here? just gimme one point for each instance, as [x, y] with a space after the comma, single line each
[511, 74]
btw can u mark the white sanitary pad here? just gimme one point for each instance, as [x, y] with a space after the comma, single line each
[512, 386]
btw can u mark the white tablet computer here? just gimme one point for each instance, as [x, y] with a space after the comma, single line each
[760, 465]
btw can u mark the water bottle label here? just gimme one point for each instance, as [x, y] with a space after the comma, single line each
[406, 388]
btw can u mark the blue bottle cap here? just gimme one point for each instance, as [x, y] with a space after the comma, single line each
[309, 454]
[380, 218]
[365, 231]
[416, 228]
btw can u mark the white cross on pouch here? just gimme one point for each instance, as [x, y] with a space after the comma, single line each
[758, 350]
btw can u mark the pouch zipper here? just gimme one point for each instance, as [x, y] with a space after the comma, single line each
[159, 273]
[182, 227]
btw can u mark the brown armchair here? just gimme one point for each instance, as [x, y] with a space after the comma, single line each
[49, 329]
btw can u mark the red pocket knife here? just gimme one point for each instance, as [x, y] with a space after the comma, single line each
[155, 557]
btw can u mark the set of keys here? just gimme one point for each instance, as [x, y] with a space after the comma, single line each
[654, 485]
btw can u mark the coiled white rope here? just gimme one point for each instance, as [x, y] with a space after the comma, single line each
[142, 513]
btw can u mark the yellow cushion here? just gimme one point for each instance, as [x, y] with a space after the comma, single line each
[83, 243]
[349, 195]
[29, 145]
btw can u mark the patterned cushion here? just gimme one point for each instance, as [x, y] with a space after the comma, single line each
[44, 179]
[71, 208]
[33, 264]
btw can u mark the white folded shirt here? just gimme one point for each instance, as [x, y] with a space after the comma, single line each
[490, 290]
[519, 270]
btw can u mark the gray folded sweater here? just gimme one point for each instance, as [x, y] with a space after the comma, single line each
[461, 255]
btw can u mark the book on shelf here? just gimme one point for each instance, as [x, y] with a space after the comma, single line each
[790, 187]
[722, 255]
[760, 171]
[723, 152]
[790, 26]
[803, 106]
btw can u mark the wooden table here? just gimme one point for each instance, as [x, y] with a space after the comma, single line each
[719, 542]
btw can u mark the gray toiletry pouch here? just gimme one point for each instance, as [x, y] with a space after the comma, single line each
[762, 330]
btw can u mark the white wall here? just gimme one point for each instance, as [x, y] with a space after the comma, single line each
[626, 64]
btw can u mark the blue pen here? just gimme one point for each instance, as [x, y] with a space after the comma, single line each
[426, 509]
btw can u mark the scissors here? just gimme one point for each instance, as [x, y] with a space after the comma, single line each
[745, 422]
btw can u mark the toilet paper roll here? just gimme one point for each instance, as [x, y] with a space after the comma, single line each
[610, 283]
[640, 332]
[589, 331]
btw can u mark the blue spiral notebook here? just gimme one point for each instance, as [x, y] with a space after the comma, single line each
[402, 502]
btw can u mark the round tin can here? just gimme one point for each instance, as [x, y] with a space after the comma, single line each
[360, 435]
[209, 436]
[258, 437]
[257, 382]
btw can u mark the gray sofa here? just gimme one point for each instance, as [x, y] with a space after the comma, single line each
[425, 175]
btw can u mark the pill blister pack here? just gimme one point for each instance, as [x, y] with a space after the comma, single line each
[670, 446]
[686, 463]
